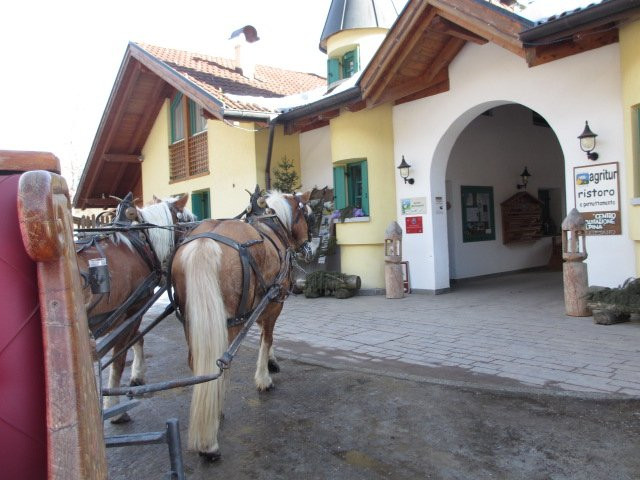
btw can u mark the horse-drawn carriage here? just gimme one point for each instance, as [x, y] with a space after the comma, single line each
[144, 252]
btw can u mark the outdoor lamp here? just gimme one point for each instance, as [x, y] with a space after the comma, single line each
[525, 179]
[588, 142]
[404, 171]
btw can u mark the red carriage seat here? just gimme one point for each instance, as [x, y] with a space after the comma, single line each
[23, 448]
[50, 422]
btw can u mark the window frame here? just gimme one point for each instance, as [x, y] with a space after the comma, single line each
[344, 188]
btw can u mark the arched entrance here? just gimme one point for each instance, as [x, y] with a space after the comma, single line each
[480, 159]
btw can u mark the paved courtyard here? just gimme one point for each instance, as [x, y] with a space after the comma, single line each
[509, 332]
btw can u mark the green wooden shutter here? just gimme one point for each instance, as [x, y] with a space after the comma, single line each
[200, 204]
[177, 119]
[365, 187]
[339, 188]
[333, 70]
[350, 63]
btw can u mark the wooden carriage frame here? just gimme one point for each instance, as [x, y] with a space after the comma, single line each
[74, 417]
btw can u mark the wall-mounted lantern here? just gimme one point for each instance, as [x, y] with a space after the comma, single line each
[525, 175]
[403, 168]
[588, 142]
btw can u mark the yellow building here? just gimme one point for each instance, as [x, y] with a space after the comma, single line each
[630, 69]
[180, 122]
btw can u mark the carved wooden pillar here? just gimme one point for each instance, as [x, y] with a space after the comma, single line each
[392, 258]
[75, 443]
[575, 277]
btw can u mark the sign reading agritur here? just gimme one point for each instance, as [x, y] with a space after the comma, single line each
[597, 191]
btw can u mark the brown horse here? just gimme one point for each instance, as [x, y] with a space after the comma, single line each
[216, 294]
[135, 261]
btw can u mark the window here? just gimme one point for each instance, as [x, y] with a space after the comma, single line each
[200, 204]
[177, 119]
[197, 122]
[350, 186]
[188, 157]
[344, 66]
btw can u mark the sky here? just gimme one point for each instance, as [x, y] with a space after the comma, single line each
[60, 58]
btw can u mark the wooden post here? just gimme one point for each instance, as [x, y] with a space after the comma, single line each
[392, 258]
[574, 271]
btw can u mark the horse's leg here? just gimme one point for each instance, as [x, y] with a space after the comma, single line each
[267, 322]
[115, 375]
[273, 365]
[138, 367]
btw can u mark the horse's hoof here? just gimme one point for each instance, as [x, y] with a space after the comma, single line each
[268, 388]
[124, 418]
[136, 382]
[273, 366]
[210, 456]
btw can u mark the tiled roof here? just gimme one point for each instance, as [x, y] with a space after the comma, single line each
[219, 77]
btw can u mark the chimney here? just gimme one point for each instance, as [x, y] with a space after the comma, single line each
[245, 62]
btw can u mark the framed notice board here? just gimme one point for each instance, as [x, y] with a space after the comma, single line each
[478, 220]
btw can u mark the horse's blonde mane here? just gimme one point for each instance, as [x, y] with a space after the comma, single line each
[161, 238]
[279, 204]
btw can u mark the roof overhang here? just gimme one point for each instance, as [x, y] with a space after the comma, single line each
[143, 82]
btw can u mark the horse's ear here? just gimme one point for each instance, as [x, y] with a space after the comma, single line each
[181, 202]
[156, 200]
[304, 197]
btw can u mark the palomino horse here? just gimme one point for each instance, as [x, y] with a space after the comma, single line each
[135, 261]
[220, 273]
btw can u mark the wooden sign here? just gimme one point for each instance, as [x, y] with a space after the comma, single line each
[597, 195]
[413, 224]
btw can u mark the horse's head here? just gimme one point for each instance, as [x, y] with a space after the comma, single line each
[178, 207]
[295, 214]
[126, 211]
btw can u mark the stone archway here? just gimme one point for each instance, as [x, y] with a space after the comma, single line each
[487, 148]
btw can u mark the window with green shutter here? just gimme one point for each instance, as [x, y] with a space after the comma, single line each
[197, 122]
[350, 63]
[351, 186]
[200, 204]
[177, 119]
[333, 70]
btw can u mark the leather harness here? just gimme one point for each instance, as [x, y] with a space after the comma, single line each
[249, 264]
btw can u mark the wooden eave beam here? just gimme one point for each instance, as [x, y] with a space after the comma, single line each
[356, 106]
[394, 58]
[582, 42]
[116, 111]
[436, 88]
[411, 87]
[393, 45]
[329, 114]
[121, 158]
[160, 92]
[441, 25]
[98, 202]
[480, 20]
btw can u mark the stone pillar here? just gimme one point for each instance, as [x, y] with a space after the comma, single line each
[574, 270]
[392, 258]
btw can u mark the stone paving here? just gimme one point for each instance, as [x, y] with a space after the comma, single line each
[508, 330]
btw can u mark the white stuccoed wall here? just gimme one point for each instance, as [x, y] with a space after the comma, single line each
[315, 153]
[565, 92]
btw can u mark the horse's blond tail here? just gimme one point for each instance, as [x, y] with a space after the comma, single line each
[207, 319]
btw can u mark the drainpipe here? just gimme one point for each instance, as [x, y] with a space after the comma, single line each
[267, 170]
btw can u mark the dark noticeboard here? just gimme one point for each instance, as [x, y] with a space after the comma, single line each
[478, 220]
